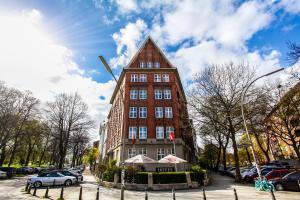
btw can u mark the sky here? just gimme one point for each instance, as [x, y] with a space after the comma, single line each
[52, 46]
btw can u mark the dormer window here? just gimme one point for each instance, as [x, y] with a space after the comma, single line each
[157, 65]
[142, 64]
[149, 64]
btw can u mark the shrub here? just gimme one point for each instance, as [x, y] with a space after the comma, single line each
[169, 177]
[108, 175]
[197, 176]
[138, 178]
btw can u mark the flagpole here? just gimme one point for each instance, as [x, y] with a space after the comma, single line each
[175, 152]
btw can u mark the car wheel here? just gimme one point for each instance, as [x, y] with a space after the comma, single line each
[279, 187]
[68, 182]
[37, 184]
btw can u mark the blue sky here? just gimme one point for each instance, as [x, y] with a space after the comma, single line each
[67, 36]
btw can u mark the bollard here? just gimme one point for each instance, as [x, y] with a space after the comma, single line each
[34, 191]
[54, 182]
[29, 189]
[235, 194]
[26, 188]
[80, 193]
[97, 195]
[146, 194]
[61, 193]
[204, 196]
[173, 192]
[122, 192]
[46, 193]
[272, 194]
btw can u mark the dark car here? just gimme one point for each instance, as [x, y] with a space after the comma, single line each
[25, 170]
[275, 174]
[10, 171]
[290, 181]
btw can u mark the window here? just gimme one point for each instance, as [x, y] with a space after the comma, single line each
[159, 112]
[143, 77]
[132, 132]
[169, 130]
[149, 64]
[159, 132]
[143, 94]
[132, 112]
[134, 78]
[157, 94]
[157, 65]
[131, 152]
[168, 112]
[143, 112]
[157, 78]
[165, 77]
[142, 64]
[167, 94]
[143, 132]
[170, 151]
[133, 94]
[142, 151]
[160, 153]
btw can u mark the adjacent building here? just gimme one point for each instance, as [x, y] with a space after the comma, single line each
[148, 104]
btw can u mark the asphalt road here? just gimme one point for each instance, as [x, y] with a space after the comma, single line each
[221, 189]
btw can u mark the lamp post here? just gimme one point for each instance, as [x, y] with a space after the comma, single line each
[245, 124]
[108, 69]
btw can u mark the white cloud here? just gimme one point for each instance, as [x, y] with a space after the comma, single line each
[292, 6]
[30, 60]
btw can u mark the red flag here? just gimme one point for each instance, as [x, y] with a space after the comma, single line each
[172, 136]
[133, 139]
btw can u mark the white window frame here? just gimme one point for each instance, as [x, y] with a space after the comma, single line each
[168, 112]
[170, 151]
[167, 94]
[132, 112]
[131, 152]
[142, 94]
[134, 94]
[143, 132]
[143, 78]
[143, 112]
[134, 78]
[142, 64]
[159, 130]
[142, 151]
[160, 153]
[157, 78]
[165, 78]
[132, 132]
[158, 94]
[159, 112]
[156, 65]
[169, 129]
[149, 64]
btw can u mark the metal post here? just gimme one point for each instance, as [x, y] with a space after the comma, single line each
[62, 193]
[80, 193]
[97, 195]
[272, 194]
[235, 194]
[29, 189]
[46, 193]
[54, 182]
[34, 191]
[146, 194]
[173, 193]
[204, 196]
[122, 192]
[175, 152]
[26, 188]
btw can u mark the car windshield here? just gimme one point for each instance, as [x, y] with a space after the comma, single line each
[288, 175]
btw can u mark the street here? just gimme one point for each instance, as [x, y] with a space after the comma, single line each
[222, 188]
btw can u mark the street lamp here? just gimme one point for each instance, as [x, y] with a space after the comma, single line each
[108, 69]
[245, 124]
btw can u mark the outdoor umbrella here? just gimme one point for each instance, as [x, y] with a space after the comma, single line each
[172, 159]
[140, 159]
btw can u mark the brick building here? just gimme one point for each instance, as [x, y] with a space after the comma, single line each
[149, 103]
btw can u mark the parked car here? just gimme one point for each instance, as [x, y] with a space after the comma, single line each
[52, 178]
[10, 171]
[252, 174]
[25, 170]
[275, 174]
[3, 174]
[37, 170]
[288, 182]
[78, 176]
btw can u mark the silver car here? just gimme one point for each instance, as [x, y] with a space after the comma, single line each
[51, 178]
[3, 174]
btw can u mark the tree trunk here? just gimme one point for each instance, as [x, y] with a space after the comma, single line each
[2, 157]
[265, 152]
[14, 149]
[224, 158]
[248, 156]
[218, 158]
[29, 151]
[236, 158]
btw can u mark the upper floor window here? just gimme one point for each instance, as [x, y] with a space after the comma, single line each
[157, 65]
[159, 132]
[167, 94]
[168, 112]
[132, 132]
[165, 78]
[160, 153]
[142, 151]
[131, 152]
[143, 77]
[133, 94]
[134, 78]
[143, 94]
[157, 94]
[142, 64]
[132, 112]
[159, 112]
[143, 132]
[149, 64]
[169, 130]
[143, 112]
[157, 78]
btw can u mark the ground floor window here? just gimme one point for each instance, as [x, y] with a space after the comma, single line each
[142, 151]
[131, 152]
[171, 151]
[160, 153]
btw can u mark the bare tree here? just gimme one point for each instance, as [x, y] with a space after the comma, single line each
[67, 115]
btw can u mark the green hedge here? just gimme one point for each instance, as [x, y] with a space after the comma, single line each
[169, 177]
[197, 176]
[108, 175]
[138, 178]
